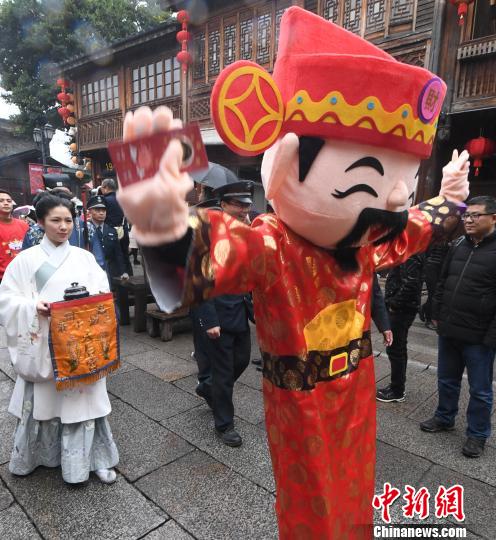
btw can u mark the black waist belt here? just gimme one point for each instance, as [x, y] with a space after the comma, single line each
[296, 373]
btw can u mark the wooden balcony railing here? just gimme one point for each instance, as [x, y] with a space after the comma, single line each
[97, 132]
[476, 75]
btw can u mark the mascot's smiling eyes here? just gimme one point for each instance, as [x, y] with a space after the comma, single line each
[354, 189]
[368, 161]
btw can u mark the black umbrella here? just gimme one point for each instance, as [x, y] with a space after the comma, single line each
[215, 176]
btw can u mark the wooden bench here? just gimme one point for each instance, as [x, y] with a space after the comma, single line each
[134, 291]
[159, 323]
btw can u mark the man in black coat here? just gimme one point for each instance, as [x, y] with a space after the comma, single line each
[402, 296]
[115, 218]
[465, 310]
[222, 337]
[106, 236]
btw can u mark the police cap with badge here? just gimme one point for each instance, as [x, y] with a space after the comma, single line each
[96, 202]
[241, 191]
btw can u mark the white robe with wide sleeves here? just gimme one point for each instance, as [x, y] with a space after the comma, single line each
[27, 334]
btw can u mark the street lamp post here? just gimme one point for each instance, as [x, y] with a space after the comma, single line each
[42, 137]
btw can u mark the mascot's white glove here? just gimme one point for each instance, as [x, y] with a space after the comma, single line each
[454, 185]
[157, 206]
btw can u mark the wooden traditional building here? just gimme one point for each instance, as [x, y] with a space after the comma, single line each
[468, 65]
[142, 70]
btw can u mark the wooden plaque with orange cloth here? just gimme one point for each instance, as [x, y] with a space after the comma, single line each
[84, 342]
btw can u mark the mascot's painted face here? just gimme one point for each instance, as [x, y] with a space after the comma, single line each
[352, 194]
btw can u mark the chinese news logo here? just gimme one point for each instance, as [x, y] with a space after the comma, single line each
[447, 502]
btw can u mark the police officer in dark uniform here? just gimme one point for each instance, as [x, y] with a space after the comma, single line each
[225, 344]
[103, 238]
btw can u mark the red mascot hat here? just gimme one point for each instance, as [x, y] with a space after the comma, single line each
[327, 83]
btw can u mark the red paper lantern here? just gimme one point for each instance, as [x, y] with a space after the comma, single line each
[62, 83]
[462, 9]
[182, 16]
[63, 97]
[183, 35]
[479, 149]
[64, 112]
[184, 57]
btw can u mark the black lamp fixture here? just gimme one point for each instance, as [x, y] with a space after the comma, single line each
[42, 137]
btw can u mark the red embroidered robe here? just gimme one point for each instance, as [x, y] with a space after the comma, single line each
[313, 327]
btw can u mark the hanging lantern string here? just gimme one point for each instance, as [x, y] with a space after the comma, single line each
[183, 56]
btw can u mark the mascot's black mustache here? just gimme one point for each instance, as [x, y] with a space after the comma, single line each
[393, 222]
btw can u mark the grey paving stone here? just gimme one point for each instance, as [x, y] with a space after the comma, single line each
[252, 377]
[421, 384]
[7, 421]
[14, 525]
[382, 367]
[426, 409]
[181, 344]
[252, 459]
[440, 448]
[163, 365]
[130, 345]
[210, 500]
[169, 531]
[5, 364]
[143, 444]
[248, 403]
[429, 351]
[124, 368]
[188, 384]
[6, 498]
[398, 467]
[3, 338]
[3, 377]
[479, 499]
[94, 511]
[155, 398]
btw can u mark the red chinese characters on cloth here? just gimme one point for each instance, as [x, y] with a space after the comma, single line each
[11, 237]
[313, 323]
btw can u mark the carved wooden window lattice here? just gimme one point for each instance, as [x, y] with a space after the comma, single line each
[100, 96]
[246, 35]
[156, 80]
[376, 12]
[311, 5]
[199, 62]
[264, 22]
[352, 15]
[330, 10]
[229, 44]
[214, 52]
[401, 11]
[279, 14]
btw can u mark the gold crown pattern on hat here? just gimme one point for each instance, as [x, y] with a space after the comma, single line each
[368, 114]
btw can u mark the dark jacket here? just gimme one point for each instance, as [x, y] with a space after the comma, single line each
[109, 242]
[115, 215]
[378, 309]
[404, 285]
[229, 311]
[465, 300]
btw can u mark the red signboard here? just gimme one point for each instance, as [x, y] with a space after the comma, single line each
[36, 170]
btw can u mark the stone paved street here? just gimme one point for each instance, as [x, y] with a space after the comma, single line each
[176, 481]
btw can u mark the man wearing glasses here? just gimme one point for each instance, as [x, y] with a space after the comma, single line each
[465, 310]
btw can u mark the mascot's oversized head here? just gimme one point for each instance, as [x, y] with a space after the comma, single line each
[343, 126]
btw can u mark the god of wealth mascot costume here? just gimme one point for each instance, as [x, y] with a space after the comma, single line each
[344, 127]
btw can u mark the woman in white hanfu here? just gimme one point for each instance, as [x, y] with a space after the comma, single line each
[68, 427]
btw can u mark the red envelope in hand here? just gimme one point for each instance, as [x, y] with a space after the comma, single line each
[139, 159]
